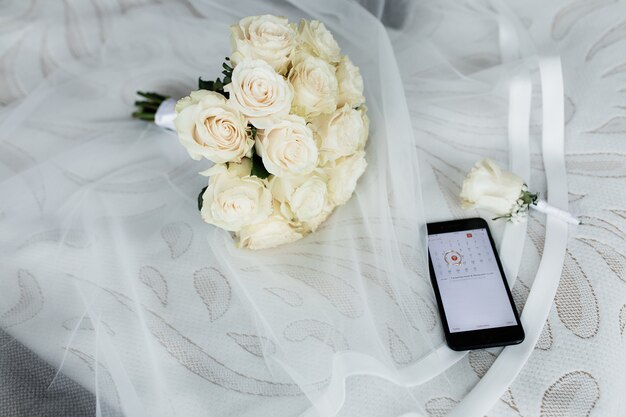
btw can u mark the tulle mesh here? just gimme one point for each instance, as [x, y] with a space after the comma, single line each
[111, 276]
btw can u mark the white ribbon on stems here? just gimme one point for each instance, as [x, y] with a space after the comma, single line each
[165, 115]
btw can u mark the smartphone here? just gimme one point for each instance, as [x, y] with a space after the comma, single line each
[473, 297]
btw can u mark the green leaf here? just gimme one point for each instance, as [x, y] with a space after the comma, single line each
[146, 109]
[149, 117]
[205, 85]
[258, 169]
[155, 97]
[529, 198]
[508, 216]
[218, 85]
[200, 200]
[147, 104]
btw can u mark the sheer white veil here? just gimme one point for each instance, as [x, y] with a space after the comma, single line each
[110, 275]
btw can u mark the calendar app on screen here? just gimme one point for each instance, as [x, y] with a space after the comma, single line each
[472, 290]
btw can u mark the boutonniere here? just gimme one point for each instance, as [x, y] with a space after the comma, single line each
[488, 186]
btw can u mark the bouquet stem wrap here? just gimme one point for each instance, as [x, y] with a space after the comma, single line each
[165, 115]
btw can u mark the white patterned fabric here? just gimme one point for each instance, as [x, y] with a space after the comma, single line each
[110, 277]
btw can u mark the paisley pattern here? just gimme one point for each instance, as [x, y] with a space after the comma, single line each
[546, 340]
[178, 237]
[85, 323]
[440, 406]
[575, 300]
[254, 344]
[152, 278]
[104, 378]
[194, 358]
[339, 293]
[613, 35]
[399, 350]
[601, 225]
[289, 297]
[301, 330]
[214, 290]
[198, 331]
[480, 361]
[29, 304]
[615, 260]
[72, 238]
[566, 19]
[573, 394]
[597, 164]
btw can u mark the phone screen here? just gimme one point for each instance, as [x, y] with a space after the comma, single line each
[472, 290]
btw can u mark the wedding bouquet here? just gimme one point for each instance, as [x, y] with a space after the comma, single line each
[286, 130]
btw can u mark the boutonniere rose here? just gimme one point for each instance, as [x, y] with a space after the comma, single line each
[489, 187]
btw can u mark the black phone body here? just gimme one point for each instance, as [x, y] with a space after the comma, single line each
[474, 299]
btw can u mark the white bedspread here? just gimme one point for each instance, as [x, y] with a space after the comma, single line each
[578, 365]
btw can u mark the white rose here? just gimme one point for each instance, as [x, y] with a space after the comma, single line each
[302, 199]
[312, 224]
[489, 187]
[343, 175]
[238, 169]
[319, 41]
[341, 133]
[350, 84]
[232, 202]
[287, 147]
[315, 86]
[241, 169]
[259, 93]
[267, 37]
[274, 231]
[208, 127]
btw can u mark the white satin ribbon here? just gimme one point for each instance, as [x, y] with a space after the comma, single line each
[512, 359]
[520, 97]
[166, 114]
